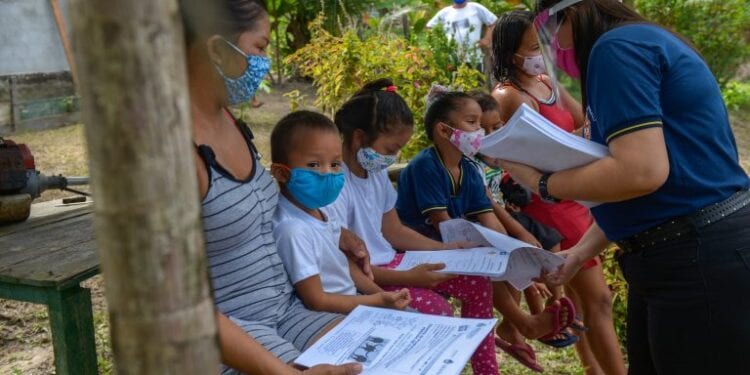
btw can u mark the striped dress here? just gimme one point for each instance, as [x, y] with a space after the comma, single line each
[250, 284]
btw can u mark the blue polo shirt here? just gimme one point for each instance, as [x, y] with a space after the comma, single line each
[425, 185]
[642, 76]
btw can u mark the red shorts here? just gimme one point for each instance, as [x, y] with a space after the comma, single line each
[569, 218]
[591, 263]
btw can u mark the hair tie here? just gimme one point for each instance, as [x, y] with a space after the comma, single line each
[390, 88]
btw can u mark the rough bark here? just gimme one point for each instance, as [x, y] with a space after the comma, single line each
[132, 78]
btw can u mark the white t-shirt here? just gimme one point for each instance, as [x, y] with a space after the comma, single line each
[464, 25]
[309, 247]
[360, 208]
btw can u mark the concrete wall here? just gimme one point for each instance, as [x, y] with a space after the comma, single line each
[29, 38]
[36, 89]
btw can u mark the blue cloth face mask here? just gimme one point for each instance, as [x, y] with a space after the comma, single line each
[243, 88]
[373, 161]
[313, 189]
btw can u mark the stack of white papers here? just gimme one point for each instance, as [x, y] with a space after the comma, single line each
[391, 342]
[481, 261]
[500, 257]
[531, 139]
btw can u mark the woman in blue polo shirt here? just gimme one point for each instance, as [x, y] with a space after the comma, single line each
[675, 198]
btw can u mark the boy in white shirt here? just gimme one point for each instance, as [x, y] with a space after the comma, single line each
[306, 155]
[462, 22]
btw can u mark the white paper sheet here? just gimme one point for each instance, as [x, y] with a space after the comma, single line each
[531, 139]
[481, 261]
[525, 261]
[391, 342]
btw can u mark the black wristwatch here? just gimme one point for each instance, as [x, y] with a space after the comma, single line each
[543, 193]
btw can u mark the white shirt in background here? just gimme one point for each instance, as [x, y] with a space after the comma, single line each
[464, 25]
[309, 247]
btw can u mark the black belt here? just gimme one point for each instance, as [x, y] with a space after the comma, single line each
[684, 225]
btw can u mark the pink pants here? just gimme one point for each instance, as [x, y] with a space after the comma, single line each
[475, 294]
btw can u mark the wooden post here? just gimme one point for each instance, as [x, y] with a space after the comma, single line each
[130, 56]
[62, 30]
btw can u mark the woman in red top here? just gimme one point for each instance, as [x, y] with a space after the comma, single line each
[520, 70]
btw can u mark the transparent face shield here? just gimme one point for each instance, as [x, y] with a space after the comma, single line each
[547, 24]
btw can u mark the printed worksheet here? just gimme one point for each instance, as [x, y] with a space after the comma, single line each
[481, 261]
[392, 342]
[554, 149]
[514, 261]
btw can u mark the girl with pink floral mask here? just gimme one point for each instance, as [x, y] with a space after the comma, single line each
[442, 183]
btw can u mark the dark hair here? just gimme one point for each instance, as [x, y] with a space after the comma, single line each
[506, 39]
[485, 100]
[441, 108]
[283, 134]
[227, 18]
[590, 19]
[373, 110]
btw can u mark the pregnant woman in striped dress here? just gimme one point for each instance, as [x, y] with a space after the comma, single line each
[263, 326]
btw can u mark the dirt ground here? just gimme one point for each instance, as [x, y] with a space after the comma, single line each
[25, 341]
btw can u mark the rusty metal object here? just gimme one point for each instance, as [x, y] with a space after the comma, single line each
[70, 200]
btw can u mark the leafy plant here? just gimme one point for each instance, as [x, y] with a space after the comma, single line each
[498, 7]
[340, 65]
[719, 29]
[737, 95]
[444, 50]
[297, 100]
[619, 289]
[290, 19]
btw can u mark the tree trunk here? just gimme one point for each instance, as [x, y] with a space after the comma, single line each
[130, 56]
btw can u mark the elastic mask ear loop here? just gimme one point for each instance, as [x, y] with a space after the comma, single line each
[449, 127]
[235, 47]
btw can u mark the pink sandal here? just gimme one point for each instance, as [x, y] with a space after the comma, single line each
[555, 309]
[516, 351]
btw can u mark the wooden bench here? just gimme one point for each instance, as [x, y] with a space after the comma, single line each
[44, 260]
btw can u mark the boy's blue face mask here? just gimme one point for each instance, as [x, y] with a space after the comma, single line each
[243, 88]
[313, 189]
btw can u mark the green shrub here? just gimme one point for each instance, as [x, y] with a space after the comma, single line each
[619, 288]
[718, 29]
[340, 65]
[737, 95]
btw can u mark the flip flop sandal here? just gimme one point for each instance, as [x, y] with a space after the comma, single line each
[565, 339]
[567, 303]
[515, 351]
[555, 309]
[578, 325]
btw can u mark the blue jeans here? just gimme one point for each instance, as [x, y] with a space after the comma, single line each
[689, 302]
